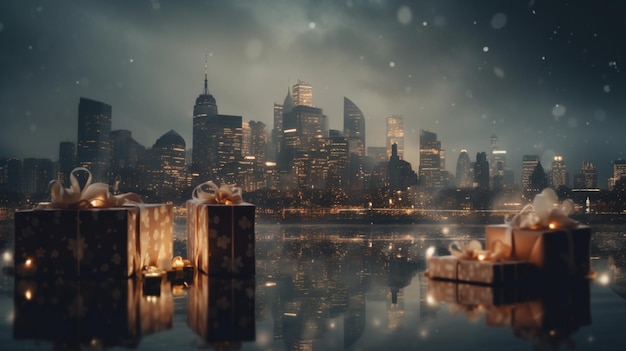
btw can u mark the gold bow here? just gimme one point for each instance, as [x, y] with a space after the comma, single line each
[225, 194]
[91, 195]
[545, 212]
[474, 251]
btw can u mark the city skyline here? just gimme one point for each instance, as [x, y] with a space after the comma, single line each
[545, 77]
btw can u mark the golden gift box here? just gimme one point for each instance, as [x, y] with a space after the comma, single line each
[476, 271]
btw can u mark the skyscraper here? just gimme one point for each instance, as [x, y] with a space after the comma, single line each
[277, 132]
[430, 173]
[94, 143]
[338, 160]
[395, 134]
[497, 164]
[619, 172]
[464, 177]
[217, 139]
[302, 94]
[481, 171]
[204, 145]
[587, 178]
[558, 173]
[354, 127]
[529, 162]
[171, 171]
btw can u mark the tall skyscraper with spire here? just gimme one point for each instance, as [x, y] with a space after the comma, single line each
[217, 139]
[94, 142]
[354, 127]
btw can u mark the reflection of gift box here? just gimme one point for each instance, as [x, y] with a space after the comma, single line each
[77, 312]
[473, 294]
[156, 312]
[556, 307]
[557, 253]
[221, 238]
[110, 242]
[222, 309]
[482, 272]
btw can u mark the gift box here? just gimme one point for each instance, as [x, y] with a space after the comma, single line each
[156, 240]
[558, 254]
[220, 238]
[475, 271]
[92, 242]
[222, 309]
[77, 242]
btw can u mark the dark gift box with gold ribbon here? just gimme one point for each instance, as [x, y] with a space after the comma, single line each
[107, 312]
[94, 242]
[222, 309]
[88, 232]
[558, 254]
[476, 271]
[543, 235]
[220, 236]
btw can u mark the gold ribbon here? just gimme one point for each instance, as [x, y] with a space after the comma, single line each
[210, 193]
[474, 251]
[545, 212]
[90, 196]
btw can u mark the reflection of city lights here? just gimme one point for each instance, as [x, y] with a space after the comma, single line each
[332, 325]
[604, 279]
[28, 295]
[7, 257]
[270, 284]
[423, 333]
[151, 299]
[290, 314]
[445, 230]
[10, 316]
[430, 252]
[431, 300]
[376, 322]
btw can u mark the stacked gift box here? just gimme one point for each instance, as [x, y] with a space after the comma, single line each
[221, 309]
[540, 245]
[220, 232]
[109, 312]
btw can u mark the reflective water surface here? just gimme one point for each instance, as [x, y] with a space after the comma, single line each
[322, 287]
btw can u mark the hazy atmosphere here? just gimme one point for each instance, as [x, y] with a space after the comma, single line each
[545, 75]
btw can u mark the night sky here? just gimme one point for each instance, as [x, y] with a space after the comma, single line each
[547, 76]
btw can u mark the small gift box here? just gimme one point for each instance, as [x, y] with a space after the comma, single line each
[90, 233]
[77, 312]
[222, 309]
[472, 264]
[544, 236]
[220, 231]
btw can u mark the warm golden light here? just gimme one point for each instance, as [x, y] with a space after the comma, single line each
[482, 257]
[552, 225]
[604, 279]
[28, 295]
[28, 262]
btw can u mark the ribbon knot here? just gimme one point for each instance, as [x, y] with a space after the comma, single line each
[545, 212]
[210, 193]
[474, 251]
[89, 196]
